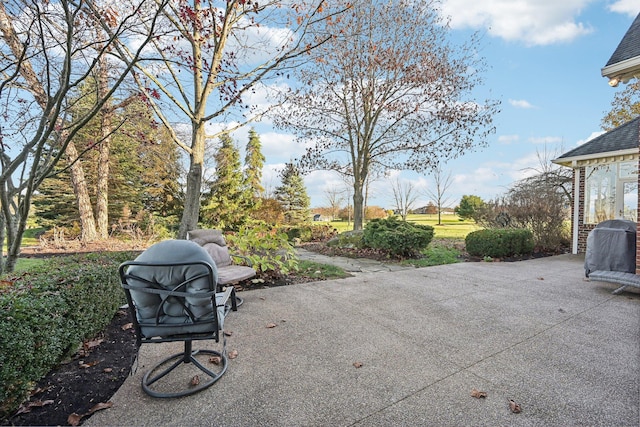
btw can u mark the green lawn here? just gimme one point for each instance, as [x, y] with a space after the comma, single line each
[450, 228]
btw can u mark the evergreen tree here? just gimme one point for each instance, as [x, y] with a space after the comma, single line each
[292, 195]
[143, 179]
[253, 163]
[469, 206]
[226, 206]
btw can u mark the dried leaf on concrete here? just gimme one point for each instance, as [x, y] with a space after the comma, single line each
[478, 394]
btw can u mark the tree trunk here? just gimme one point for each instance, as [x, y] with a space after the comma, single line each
[191, 211]
[358, 205]
[102, 186]
[87, 221]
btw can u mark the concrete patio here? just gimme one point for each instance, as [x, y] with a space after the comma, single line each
[537, 332]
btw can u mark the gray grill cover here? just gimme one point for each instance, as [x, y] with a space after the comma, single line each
[611, 246]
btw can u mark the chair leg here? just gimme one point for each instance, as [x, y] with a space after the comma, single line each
[152, 385]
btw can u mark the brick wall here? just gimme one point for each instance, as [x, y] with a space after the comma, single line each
[583, 229]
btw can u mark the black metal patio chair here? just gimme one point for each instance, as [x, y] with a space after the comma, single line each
[172, 291]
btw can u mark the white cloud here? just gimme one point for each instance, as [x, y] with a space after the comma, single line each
[508, 139]
[533, 22]
[590, 137]
[521, 103]
[280, 147]
[545, 139]
[630, 7]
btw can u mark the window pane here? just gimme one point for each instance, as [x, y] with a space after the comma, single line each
[630, 207]
[600, 193]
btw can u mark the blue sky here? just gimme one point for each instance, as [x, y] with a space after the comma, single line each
[544, 59]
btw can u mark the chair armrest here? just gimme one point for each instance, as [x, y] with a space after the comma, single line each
[229, 295]
[243, 258]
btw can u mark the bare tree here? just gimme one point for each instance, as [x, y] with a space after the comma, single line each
[404, 197]
[209, 57]
[51, 49]
[442, 181]
[335, 198]
[390, 90]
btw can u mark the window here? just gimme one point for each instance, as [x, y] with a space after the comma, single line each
[611, 191]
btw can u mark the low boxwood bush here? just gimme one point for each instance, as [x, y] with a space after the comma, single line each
[398, 238]
[47, 312]
[499, 242]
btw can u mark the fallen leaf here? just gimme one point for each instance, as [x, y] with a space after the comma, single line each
[478, 394]
[216, 360]
[74, 419]
[92, 343]
[86, 365]
[515, 407]
[271, 325]
[107, 370]
[99, 407]
[195, 380]
[26, 407]
[357, 364]
[233, 354]
[127, 326]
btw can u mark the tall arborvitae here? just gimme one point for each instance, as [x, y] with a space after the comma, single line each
[292, 195]
[226, 206]
[253, 164]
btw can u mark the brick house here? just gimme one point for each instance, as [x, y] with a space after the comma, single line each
[605, 169]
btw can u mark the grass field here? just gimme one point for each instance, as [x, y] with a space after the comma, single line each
[451, 226]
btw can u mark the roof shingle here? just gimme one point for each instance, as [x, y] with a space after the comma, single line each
[624, 137]
[629, 46]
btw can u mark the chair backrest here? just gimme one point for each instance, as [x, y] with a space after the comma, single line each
[172, 287]
[213, 242]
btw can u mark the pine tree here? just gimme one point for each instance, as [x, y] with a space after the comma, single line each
[253, 163]
[144, 174]
[292, 195]
[226, 206]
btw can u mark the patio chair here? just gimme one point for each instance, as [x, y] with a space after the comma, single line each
[172, 291]
[229, 273]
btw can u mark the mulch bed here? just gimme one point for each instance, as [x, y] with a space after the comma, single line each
[88, 379]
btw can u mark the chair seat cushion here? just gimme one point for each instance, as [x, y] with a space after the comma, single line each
[234, 274]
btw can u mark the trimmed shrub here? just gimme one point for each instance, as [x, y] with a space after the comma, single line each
[499, 242]
[398, 238]
[46, 313]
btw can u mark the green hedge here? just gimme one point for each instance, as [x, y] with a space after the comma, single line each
[499, 243]
[399, 238]
[46, 313]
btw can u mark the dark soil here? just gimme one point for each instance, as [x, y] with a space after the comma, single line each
[88, 379]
